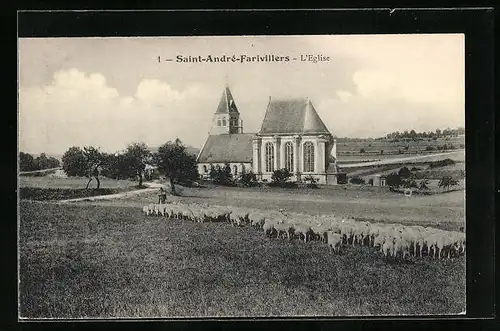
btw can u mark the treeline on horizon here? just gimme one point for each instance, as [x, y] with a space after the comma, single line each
[412, 134]
[28, 162]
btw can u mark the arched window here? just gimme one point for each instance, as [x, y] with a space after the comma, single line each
[235, 169]
[219, 123]
[204, 168]
[269, 157]
[308, 157]
[289, 156]
[224, 122]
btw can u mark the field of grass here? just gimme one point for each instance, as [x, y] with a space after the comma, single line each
[110, 261]
[371, 146]
[445, 211]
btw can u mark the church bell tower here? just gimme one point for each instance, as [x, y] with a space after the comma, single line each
[227, 119]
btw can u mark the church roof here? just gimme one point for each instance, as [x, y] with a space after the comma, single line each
[292, 116]
[226, 103]
[223, 148]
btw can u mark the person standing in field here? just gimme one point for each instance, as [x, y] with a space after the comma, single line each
[162, 196]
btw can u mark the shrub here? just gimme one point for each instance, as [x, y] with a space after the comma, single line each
[281, 176]
[222, 176]
[248, 179]
[362, 150]
[357, 180]
[430, 148]
[341, 179]
[446, 182]
[311, 182]
[441, 163]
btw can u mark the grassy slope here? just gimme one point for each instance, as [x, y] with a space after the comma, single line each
[444, 211]
[353, 147]
[93, 261]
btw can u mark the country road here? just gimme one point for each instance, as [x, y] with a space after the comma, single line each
[38, 171]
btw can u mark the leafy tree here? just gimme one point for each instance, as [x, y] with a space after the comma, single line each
[116, 166]
[137, 155]
[404, 172]
[409, 183]
[42, 162]
[446, 182]
[393, 180]
[176, 163]
[26, 162]
[222, 175]
[74, 162]
[93, 162]
[424, 185]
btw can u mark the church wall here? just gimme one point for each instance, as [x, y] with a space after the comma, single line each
[239, 168]
[320, 157]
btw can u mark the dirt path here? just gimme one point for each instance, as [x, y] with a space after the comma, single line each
[151, 187]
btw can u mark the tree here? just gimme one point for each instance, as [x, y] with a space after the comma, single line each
[175, 163]
[116, 166]
[26, 162]
[424, 185]
[404, 172]
[222, 175]
[446, 182]
[137, 155]
[42, 162]
[93, 162]
[409, 183]
[393, 180]
[362, 150]
[74, 163]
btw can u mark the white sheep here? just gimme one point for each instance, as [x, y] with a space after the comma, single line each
[334, 240]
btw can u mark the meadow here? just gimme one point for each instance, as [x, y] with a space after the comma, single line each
[105, 259]
[372, 147]
[85, 260]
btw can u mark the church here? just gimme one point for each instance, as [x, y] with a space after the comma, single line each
[292, 136]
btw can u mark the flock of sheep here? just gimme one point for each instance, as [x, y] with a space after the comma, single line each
[393, 240]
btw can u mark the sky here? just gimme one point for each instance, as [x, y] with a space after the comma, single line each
[109, 92]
